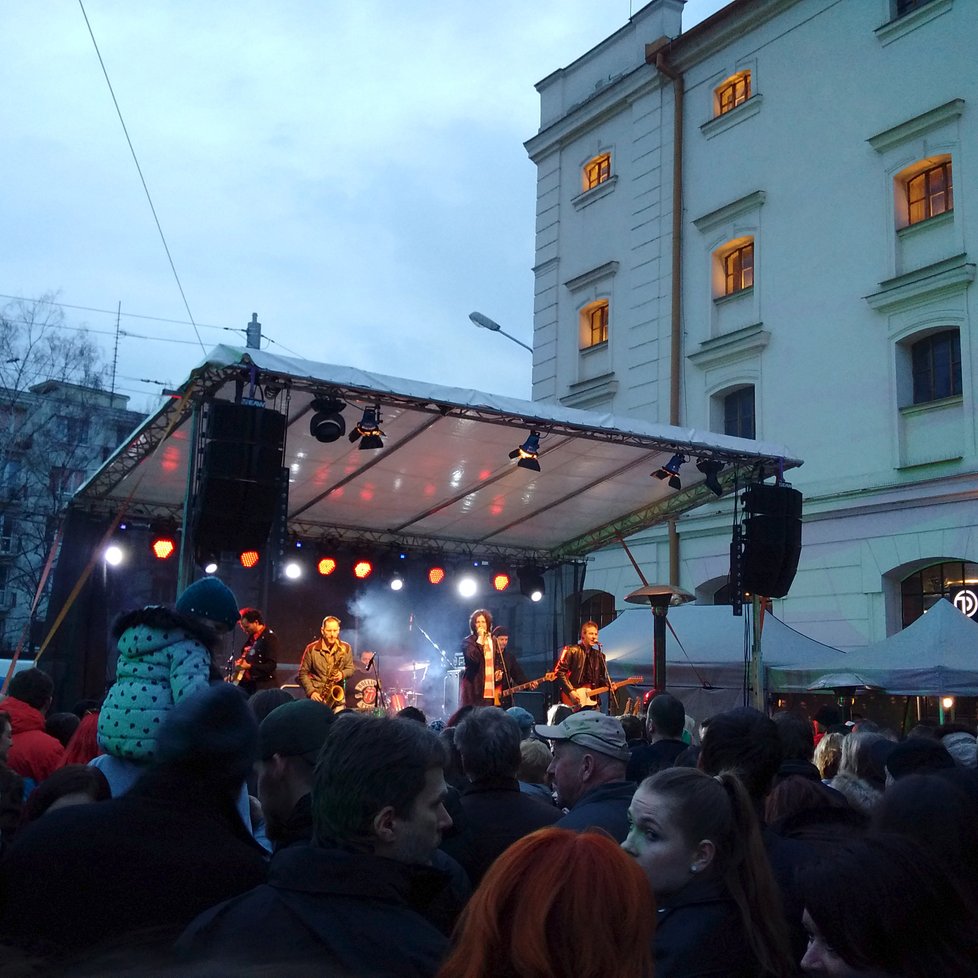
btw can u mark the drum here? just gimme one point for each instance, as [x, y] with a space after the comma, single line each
[396, 701]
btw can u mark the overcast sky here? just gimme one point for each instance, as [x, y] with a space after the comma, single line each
[353, 172]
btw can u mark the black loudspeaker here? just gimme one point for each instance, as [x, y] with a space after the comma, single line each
[240, 479]
[772, 539]
[533, 703]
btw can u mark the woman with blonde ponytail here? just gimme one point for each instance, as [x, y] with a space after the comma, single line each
[698, 841]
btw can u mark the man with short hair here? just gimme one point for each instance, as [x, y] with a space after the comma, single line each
[665, 725]
[325, 664]
[34, 754]
[496, 812]
[348, 900]
[255, 666]
[588, 772]
[289, 741]
[580, 668]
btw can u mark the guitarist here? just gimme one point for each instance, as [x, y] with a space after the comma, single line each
[510, 671]
[580, 665]
[255, 667]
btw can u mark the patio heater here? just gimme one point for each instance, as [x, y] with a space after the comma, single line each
[660, 597]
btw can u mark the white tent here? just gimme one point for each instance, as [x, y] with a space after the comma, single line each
[936, 655]
[708, 672]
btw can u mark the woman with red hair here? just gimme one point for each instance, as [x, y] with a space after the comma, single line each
[83, 745]
[557, 903]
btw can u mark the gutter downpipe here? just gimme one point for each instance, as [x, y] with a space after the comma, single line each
[655, 53]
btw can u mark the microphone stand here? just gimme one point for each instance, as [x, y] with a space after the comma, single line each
[381, 695]
[612, 693]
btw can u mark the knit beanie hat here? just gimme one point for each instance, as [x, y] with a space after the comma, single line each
[210, 598]
[918, 755]
[296, 729]
[961, 746]
[212, 733]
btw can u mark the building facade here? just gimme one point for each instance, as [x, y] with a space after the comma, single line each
[760, 227]
[53, 436]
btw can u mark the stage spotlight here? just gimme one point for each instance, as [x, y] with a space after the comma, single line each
[527, 453]
[163, 547]
[362, 569]
[436, 575]
[326, 565]
[711, 469]
[467, 586]
[210, 567]
[397, 582]
[368, 430]
[670, 471]
[113, 555]
[532, 584]
[500, 580]
[293, 570]
[327, 422]
[249, 558]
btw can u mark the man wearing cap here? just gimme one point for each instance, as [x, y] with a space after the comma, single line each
[590, 753]
[289, 741]
[510, 671]
[325, 664]
[255, 667]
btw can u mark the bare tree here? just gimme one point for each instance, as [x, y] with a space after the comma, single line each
[57, 424]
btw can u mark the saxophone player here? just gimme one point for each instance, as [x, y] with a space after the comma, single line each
[326, 663]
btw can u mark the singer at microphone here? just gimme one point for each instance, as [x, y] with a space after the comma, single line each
[581, 667]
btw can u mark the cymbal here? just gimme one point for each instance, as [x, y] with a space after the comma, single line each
[414, 666]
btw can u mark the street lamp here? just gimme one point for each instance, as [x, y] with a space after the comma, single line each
[486, 323]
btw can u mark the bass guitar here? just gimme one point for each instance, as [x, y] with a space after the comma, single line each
[546, 678]
[586, 696]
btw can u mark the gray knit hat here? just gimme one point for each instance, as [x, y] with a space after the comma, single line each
[212, 599]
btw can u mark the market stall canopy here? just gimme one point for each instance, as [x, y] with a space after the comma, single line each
[707, 670]
[444, 479]
[936, 655]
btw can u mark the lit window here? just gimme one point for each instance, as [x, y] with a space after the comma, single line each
[738, 413]
[929, 192]
[936, 364]
[738, 268]
[733, 92]
[597, 171]
[594, 324]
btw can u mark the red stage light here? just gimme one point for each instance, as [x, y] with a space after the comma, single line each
[163, 547]
[326, 566]
[363, 569]
[249, 558]
[436, 575]
[500, 581]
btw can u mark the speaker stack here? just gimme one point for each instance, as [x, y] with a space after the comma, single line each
[771, 539]
[240, 485]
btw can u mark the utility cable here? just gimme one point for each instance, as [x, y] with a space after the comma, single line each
[139, 170]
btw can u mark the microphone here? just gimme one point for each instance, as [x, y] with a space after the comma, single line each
[597, 645]
[370, 664]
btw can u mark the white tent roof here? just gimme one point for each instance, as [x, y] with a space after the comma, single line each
[443, 480]
[936, 655]
[709, 675]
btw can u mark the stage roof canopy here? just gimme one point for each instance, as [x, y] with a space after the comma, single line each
[443, 482]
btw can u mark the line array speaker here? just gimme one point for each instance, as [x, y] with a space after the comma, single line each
[772, 539]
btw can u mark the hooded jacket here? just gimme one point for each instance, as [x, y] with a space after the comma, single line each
[34, 754]
[163, 656]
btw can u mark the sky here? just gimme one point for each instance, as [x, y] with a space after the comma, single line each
[354, 173]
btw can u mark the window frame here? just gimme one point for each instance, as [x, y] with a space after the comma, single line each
[924, 347]
[596, 171]
[735, 397]
[926, 199]
[734, 270]
[724, 106]
[587, 328]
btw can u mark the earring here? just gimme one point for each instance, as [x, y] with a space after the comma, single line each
[694, 869]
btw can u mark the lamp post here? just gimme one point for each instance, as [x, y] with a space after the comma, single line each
[486, 323]
[660, 597]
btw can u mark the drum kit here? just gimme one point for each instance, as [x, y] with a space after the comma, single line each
[406, 694]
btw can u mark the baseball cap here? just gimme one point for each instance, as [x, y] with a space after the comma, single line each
[296, 729]
[589, 728]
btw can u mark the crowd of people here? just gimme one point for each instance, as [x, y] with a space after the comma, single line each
[191, 825]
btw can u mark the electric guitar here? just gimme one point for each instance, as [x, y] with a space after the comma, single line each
[548, 678]
[586, 696]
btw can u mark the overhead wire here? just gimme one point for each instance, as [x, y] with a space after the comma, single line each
[139, 170]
